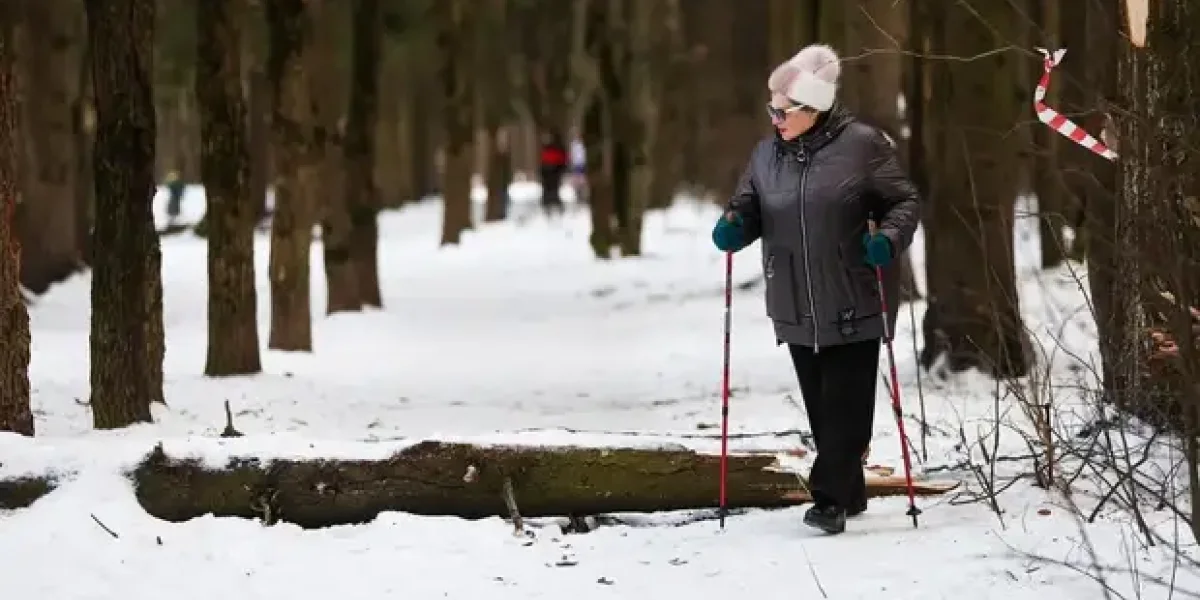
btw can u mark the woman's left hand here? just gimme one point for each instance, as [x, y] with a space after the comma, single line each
[878, 249]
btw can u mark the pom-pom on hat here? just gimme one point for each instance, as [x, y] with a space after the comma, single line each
[809, 78]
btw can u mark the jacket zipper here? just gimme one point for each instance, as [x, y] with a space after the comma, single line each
[802, 158]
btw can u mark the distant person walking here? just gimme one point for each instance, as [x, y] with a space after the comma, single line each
[552, 165]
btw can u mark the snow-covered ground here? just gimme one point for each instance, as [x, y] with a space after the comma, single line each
[519, 335]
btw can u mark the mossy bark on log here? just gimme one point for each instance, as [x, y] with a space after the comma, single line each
[431, 478]
[23, 491]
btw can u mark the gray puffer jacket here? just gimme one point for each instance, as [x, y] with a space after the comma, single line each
[809, 200]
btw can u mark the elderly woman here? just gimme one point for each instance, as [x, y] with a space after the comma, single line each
[808, 193]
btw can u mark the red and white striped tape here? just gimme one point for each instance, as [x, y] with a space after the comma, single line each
[1052, 118]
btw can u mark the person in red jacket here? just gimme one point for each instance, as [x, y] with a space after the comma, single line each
[553, 165]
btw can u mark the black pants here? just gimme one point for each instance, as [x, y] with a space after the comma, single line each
[838, 385]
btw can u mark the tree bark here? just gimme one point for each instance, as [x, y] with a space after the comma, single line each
[1094, 179]
[493, 71]
[362, 194]
[974, 313]
[327, 88]
[644, 69]
[438, 478]
[231, 210]
[454, 43]
[48, 63]
[293, 138]
[1048, 182]
[127, 332]
[15, 413]
[1158, 217]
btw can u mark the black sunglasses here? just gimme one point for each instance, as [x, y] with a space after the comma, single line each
[780, 114]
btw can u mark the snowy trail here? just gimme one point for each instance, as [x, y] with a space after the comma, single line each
[519, 335]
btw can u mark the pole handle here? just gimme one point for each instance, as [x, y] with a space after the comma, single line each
[872, 227]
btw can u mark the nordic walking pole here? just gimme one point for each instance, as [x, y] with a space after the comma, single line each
[913, 511]
[724, 510]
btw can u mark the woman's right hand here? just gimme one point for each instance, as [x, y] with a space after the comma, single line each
[727, 234]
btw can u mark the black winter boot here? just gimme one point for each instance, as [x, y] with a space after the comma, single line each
[857, 508]
[828, 518]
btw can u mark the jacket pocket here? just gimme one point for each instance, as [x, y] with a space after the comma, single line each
[779, 270]
[859, 286]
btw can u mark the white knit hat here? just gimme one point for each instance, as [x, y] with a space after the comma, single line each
[809, 78]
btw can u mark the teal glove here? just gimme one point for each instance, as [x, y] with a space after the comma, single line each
[878, 249]
[727, 234]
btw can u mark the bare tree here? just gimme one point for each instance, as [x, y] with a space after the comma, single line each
[974, 312]
[48, 66]
[15, 413]
[293, 136]
[231, 211]
[455, 36]
[362, 195]
[127, 331]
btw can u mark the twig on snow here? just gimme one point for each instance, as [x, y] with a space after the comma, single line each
[105, 527]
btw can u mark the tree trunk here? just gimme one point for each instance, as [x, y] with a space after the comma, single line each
[258, 140]
[974, 312]
[1048, 183]
[231, 211]
[327, 89]
[1094, 181]
[127, 333]
[644, 68]
[439, 478]
[1159, 217]
[455, 36]
[15, 413]
[84, 115]
[293, 135]
[48, 63]
[497, 111]
[362, 195]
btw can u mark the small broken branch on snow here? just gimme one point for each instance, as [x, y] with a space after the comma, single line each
[105, 527]
[229, 430]
[514, 513]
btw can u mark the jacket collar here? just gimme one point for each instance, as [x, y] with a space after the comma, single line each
[829, 124]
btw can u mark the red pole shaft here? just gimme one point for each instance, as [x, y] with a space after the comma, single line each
[725, 387]
[895, 391]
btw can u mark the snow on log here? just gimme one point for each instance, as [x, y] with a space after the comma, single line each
[464, 480]
[23, 491]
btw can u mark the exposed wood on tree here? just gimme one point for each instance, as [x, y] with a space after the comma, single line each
[127, 331]
[974, 313]
[293, 141]
[15, 413]
[231, 211]
[438, 478]
[362, 196]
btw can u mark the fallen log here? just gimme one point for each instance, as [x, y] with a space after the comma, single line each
[23, 491]
[454, 479]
